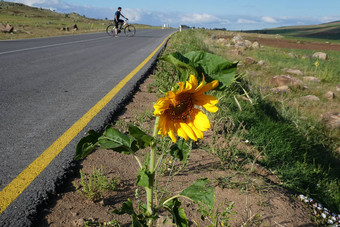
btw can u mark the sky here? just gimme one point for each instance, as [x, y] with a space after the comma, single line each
[229, 14]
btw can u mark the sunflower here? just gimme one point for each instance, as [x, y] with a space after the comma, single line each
[178, 112]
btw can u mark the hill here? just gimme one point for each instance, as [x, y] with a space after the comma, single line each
[329, 31]
[33, 22]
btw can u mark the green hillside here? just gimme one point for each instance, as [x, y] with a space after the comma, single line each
[329, 31]
[32, 22]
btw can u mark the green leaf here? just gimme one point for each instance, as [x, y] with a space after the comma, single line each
[87, 144]
[127, 208]
[143, 139]
[180, 150]
[115, 140]
[182, 64]
[144, 178]
[178, 214]
[200, 192]
[214, 67]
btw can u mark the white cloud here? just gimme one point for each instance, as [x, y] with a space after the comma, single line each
[199, 18]
[245, 21]
[330, 19]
[268, 19]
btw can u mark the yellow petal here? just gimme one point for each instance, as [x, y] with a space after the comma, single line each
[188, 130]
[172, 136]
[207, 87]
[207, 101]
[161, 105]
[210, 108]
[198, 133]
[200, 120]
[201, 84]
[180, 131]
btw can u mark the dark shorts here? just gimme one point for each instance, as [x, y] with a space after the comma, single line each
[119, 21]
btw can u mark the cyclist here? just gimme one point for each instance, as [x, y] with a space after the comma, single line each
[117, 20]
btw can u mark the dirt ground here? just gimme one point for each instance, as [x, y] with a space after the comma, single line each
[258, 198]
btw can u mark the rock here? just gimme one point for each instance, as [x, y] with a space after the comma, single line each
[332, 119]
[320, 55]
[249, 60]
[292, 55]
[248, 44]
[237, 38]
[75, 27]
[310, 98]
[261, 63]
[239, 45]
[280, 89]
[256, 45]
[213, 37]
[236, 52]
[6, 28]
[295, 72]
[337, 87]
[310, 78]
[221, 40]
[282, 80]
[330, 95]
[79, 222]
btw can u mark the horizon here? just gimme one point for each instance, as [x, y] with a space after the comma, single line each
[246, 15]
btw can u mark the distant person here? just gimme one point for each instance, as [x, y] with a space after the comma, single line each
[117, 20]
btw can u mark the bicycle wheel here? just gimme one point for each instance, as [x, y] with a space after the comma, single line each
[110, 30]
[130, 30]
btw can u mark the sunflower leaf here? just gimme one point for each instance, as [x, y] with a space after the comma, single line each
[182, 64]
[143, 139]
[213, 67]
[180, 150]
[87, 144]
[144, 178]
[115, 140]
[127, 208]
[199, 192]
[178, 214]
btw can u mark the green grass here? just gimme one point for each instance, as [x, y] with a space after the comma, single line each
[297, 148]
[330, 31]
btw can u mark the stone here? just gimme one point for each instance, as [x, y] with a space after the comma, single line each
[337, 87]
[239, 45]
[261, 63]
[248, 44]
[280, 89]
[256, 45]
[310, 98]
[332, 119]
[213, 37]
[310, 78]
[320, 55]
[237, 38]
[295, 72]
[75, 27]
[6, 28]
[249, 60]
[330, 95]
[282, 80]
[292, 55]
[236, 52]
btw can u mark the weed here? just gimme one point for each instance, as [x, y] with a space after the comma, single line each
[93, 185]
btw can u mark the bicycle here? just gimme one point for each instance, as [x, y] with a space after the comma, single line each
[129, 29]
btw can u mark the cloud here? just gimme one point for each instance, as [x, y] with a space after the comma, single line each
[198, 18]
[246, 21]
[268, 19]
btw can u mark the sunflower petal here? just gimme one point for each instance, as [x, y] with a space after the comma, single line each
[208, 87]
[200, 120]
[180, 131]
[188, 130]
[198, 133]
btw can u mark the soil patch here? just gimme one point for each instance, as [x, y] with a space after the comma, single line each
[258, 198]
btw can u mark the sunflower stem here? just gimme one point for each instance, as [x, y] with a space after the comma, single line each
[149, 190]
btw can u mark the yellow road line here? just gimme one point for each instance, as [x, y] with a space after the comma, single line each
[25, 178]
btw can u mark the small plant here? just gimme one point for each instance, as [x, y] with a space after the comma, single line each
[93, 185]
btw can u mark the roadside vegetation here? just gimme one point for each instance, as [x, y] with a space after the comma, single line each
[32, 22]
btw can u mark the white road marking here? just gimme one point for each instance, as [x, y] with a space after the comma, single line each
[52, 45]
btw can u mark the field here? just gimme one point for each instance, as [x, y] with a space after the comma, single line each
[265, 152]
[31, 22]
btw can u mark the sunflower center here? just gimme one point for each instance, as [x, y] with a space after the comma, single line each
[182, 108]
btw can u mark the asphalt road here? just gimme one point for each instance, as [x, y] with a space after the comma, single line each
[46, 85]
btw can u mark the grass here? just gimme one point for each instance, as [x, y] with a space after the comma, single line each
[289, 139]
[32, 22]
